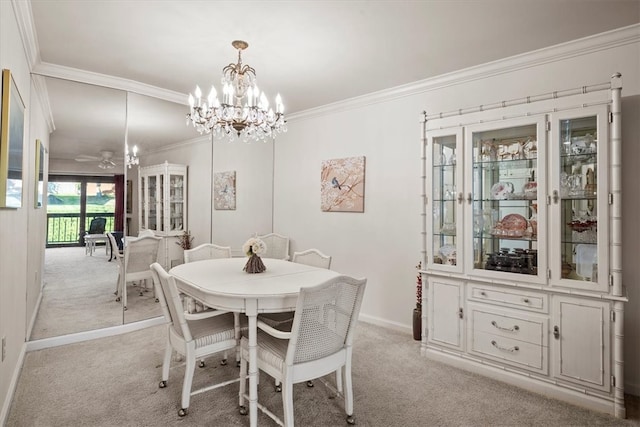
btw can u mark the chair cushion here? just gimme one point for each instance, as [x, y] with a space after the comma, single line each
[281, 321]
[212, 330]
[270, 350]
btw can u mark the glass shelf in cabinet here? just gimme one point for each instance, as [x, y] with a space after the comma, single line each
[493, 237]
[505, 164]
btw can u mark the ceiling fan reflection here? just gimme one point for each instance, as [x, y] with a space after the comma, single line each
[105, 160]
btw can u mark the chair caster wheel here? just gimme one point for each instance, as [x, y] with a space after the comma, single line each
[162, 384]
[279, 388]
[223, 362]
[309, 383]
[243, 410]
[351, 420]
[182, 412]
[201, 364]
[118, 299]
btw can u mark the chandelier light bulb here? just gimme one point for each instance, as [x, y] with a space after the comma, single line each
[243, 111]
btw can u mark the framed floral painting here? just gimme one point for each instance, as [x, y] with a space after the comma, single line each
[224, 188]
[11, 143]
[342, 185]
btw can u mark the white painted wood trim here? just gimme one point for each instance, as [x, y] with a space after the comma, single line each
[607, 40]
[104, 80]
[34, 315]
[529, 383]
[6, 405]
[94, 334]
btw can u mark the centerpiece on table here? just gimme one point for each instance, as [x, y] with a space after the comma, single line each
[253, 248]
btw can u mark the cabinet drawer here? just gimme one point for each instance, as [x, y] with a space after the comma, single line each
[507, 326]
[518, 353]
[509, 298]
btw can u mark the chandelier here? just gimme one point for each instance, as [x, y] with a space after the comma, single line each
[131, 158]
[244, 110]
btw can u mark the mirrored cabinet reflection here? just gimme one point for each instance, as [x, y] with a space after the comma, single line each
[87, 122]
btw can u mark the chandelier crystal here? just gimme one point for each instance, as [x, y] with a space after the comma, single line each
[131, 158]
[243, 111]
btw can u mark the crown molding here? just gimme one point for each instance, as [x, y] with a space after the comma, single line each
[98, 79]
[43, 96]
[603, 41]
[24, 19]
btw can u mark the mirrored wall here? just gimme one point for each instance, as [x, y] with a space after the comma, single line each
[79, 284]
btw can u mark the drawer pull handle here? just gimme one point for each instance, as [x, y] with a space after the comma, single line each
[526, 300]
[510, 350]
[483, 293]
[514, 329]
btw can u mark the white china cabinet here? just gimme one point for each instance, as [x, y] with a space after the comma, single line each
[522, 240]
[162, 208]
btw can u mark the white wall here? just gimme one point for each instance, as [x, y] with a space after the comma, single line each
[384, 242]
[253, 163]
[21, 230]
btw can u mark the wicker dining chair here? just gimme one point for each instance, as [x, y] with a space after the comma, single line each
[192, 335]
[199, 253]
[277, 246]
[139, 254]
[320, 342]
[207, 251]
[312, 257]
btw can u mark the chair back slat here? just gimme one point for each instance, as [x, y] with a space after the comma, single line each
[324, 319]
[141, 253]
[97, 225]
[169, 297]
[207, 251]
[312, 257]
[277, 246]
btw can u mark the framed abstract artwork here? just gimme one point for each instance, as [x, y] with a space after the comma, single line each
[342, 185]
[11, 143]
[224, 188]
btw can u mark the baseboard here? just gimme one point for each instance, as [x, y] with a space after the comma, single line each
[91, 335]
[34, 315]
[386, 323]
[6, 405]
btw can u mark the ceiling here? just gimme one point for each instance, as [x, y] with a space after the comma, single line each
[312, 52]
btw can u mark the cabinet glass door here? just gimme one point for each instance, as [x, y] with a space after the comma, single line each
[176, 202]
[444, 225]
[506, 172]
[152, 223]
[143, 203]
[579, 199]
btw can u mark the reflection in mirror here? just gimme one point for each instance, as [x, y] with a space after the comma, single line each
[84, 199]
[157, 128]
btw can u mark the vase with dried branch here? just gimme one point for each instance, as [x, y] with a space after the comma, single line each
[185, 240]
[417, 312]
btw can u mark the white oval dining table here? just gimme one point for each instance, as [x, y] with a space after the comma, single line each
[222, 284]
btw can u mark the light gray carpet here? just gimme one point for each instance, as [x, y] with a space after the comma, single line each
[78, 294]
[114, 382]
